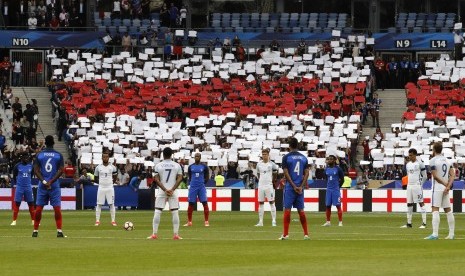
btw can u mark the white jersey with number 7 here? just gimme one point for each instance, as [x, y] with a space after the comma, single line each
[441, 165]
[168, 171]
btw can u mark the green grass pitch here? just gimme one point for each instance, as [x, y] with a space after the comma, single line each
[367, 244]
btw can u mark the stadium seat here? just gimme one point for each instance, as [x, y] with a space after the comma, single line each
[245, 21]
[116, 22]
[255, 16]
[122, 29]
[294, 16]
[216, 16]
[136, 22]
[155, 15]
[107, 22]
[403, 30]
[317, 30]
[392, 30]
[127, 22]
[239, 29]
[216, 23]
[417, 30]
[98, 22]
[274, 23]
[143, 28]
[431, 29]
[254, 23]
[296, 30]
[235, 23]
[145, 22]
[331, 24]
[235, 16]
[285, 29]
[445, 30]
[274, 16]
[312, 24]
[293, 23]
[228, 30]
[102, 28]
[270, 30]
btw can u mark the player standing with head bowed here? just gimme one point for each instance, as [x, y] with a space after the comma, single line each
[335, 179]
[267, 172]
[416, 175]
[295, 167]
[22, 175]
[198, 175]
[168, 178]
[105, 175]
[48, 168]
[443, 175]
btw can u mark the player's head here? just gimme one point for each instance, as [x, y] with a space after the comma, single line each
[197, 157]
[24, 157]
[293, 143]
[266, 154]
[437, 148]
[412, 155]
[167, 152]
[331, 160]
[105, 157]
[49, 141]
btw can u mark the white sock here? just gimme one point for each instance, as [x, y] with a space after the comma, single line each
[112, 212]
[451, 222]
[423, 214]
[436, 220]
[261, 211]
[156, 221]
[175, 217]
[409, 214]
[273, 211]
[98, 211]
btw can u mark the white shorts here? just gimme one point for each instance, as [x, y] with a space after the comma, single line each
[266, 192]
[414, 194]
[161, 198]
[440, 200]
[105, 193]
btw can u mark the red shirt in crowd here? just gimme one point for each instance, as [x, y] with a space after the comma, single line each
[69, 171]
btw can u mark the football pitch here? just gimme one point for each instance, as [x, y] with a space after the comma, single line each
[367, 244]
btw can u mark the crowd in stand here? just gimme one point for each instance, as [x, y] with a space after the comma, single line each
[44, 14]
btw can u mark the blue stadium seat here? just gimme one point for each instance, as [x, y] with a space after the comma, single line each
[431, 29]
[260, 30]
[403, 30]
[216, 16]
[235, 23]
[421, 16]
[136, 22]
[265, 16]
[439, 23]
[239, 29]
[96, 15]
[98, 21]
[419, 23]
[333, 16]
[245, 21]
[317, 30]
[107, 22]
[327, 30]
[133, 30]
[392, 30]
[112, 29]
[255, 16]
[225, 23]
[342, 16]
[145, 22]
[412, 16]
[296, 30]
[249, 30]
[264, 23]
[102, 28]
[449, 24]
[304, 16]
[341, 23]
[417, 30]
[143, 28]
[254, 23]
[127, 22]
[429, 23]
[270, 30]
[228, 30]
[303, 22]
[122, 29]
[312, 24]
[410, 23]
[155, 22]
[293, 23]
[218, 30]
[116, 22]
[274, 23]
[274, 16]
[235, 16]
[285, 29]
[284, 15]
[216, 23]
[400, 24]
[313, 16]
[445, 30]
[306, 30]
[348, 30]
[331, 24]
[155, 15]
[226, 17]
[294, 16]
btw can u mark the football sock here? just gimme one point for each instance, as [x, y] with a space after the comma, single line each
[58, 217]
[451, 222]
[303, 221]
[37, 217]
[328, 213]
[112, 212]
[98, 211]
[261, 210]
[175, 217]
[339, 213]
[206, 211]
[423, 214]
[190, 210]
[286, 221]
[156, 220]
[436, 220]
[31, 211]
[15, 210]
[409, 214]
[273, 211]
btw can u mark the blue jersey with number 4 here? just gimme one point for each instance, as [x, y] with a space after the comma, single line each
[295, 163]
[49, 162]
[333, 177]
[197, 173]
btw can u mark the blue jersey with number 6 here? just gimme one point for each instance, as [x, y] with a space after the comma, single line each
[49, 162]
[295, 163]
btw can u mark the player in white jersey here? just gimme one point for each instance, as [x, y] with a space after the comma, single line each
[105, 175]
[266, 171]
[416, 173]
[168, 178]
[443, 175]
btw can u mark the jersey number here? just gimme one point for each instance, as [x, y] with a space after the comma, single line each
[25, 175]
[48, 165]
[297, 168]
[169, 173]
[444, 169]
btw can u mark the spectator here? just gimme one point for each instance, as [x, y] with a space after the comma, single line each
[2, 141]
[125, 9]
[135, 181]
[375, 105]
[5, 67]
[126, 41]
[217, 44]
[363, 180]
[116, 13]
[174, 13]
[23, 13]
[164, 16]
[42, 20]
[32, 21]
[302, 47]
[17, 109]
[380, 73]
[35, 109]
[69, 171]
[183, 16]
[64, 18]
[6, 13]
[17, 68]
[378, 136]
[41, 8]
[274, 45]
[122, 177]
[54, 23]
[232, 172]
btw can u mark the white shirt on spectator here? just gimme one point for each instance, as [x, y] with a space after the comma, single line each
[17, 66]
[116, 6]
[32, 23]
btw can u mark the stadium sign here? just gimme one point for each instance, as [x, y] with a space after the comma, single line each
[20, 42]
[438, 44]
[403, 43]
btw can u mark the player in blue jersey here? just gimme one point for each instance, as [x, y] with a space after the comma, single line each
[22, 176]
[198, 175]
[48, 168]
[295, 167]
[335, 179]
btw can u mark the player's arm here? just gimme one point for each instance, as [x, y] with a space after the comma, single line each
[178, 182]
[288, 178]
[436, 177]
[206, 174]
[115, 175]
[58, 173]
[38, 173]
[157, 181]
[96, 174]
[305, 178]
[15, 172]
[189, 171]
[451, 179]
[423, 173]
[341, 176]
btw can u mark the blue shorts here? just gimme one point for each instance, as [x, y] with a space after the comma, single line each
[333, 197]
[44, 196]
[200, 192]
[26, 192]
[293, 199]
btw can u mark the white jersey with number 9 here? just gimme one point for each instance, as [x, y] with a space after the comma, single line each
[441, 165]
